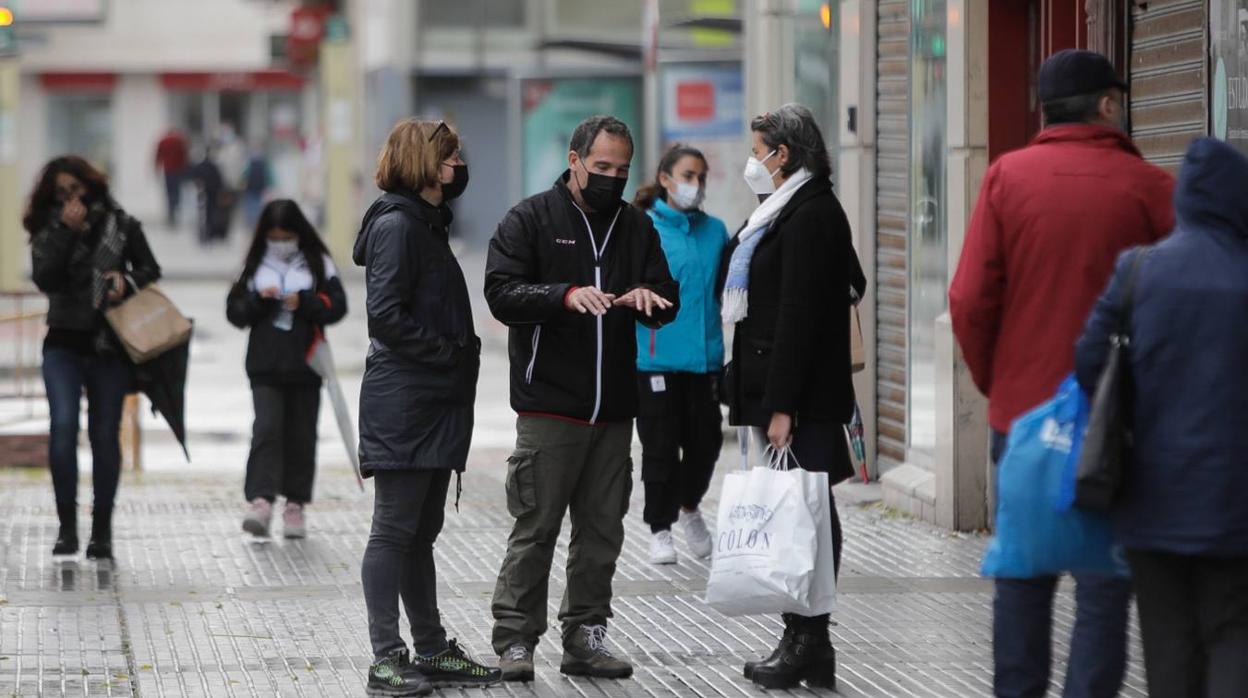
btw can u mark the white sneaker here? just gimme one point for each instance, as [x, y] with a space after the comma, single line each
[662, 550]
[697, 535]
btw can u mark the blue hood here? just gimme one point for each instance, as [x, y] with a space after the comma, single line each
[1212, 192]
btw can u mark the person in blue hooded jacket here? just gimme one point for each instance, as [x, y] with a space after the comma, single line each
[1182, 516]
[679, 365]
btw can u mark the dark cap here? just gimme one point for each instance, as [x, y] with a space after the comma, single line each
[1073, 72]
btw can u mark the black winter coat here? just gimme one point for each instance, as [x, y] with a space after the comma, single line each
[420, 379]
[280, 357]
[791, 352]
[564, 363]
[61, 268]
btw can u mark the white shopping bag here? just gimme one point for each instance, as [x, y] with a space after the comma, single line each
[773, 552]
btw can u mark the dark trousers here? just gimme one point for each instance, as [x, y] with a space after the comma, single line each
[562, 467]
[283, 442]
[408, 512]
[173, 194]
[679, 423]
[1022, 629]
[1194, 619]
[107, 380]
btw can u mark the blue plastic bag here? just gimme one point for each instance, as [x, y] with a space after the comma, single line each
[1034, 536]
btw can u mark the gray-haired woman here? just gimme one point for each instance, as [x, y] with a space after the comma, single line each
[786, 281]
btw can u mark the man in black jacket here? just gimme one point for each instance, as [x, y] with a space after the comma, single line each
[570, 270]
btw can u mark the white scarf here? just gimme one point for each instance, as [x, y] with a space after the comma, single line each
[736, 299]
[288, 275]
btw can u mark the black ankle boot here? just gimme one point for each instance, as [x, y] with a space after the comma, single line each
[101, 545]
[67, 536]
[808, 657]
[785, 640]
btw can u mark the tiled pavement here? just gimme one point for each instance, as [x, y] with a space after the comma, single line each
[193, 609]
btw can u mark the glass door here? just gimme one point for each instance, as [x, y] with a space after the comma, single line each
[928, 263]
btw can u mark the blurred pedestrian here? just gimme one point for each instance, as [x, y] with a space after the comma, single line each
[1050, 220]
[257, 181]
[1182, 515]
[416, 403]
[679, 366]
[787, 276]
[172, 158]
[215, 203]
[571, 271]
[288, 292]
[87, 255]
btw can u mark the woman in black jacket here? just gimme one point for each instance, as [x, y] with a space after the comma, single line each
[416, 403]
[288, 292]
[787, 277]
[87, 255]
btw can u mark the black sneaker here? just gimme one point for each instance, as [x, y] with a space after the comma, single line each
[392, 675]
[453, 668]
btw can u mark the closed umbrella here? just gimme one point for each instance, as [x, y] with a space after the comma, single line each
[163, 380]
[321, 360]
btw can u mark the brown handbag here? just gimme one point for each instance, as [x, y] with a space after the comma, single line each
[148, 324]
[857, 351]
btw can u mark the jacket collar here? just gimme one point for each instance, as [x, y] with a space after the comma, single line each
[674, 217]
[817, 186]
[1090, 134]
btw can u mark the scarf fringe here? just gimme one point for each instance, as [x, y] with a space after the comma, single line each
[736, 305]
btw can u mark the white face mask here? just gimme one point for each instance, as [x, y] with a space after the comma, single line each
[284, 250]
[757, 177]
[687, 197]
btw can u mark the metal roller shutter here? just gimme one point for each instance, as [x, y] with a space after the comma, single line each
[892, 221]
[1169, 77]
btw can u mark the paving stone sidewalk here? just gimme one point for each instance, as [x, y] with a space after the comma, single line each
[192, 608]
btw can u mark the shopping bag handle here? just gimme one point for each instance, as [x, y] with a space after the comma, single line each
[778, 458]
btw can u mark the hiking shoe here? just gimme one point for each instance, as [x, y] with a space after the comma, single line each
[662, 550]
[697, 535]
[453, 668]
[256, 522]
[516, 663]
[294, 524]
[585, 654]
[393, 675]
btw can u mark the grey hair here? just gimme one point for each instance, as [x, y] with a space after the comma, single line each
[1078, 109]
[794, 126]
[587, 131]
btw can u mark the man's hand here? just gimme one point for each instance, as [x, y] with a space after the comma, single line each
[270, 293]
[780, 431]
[643, 300]
[74, 215]
[588, 299]
[291, 302]
[116, 286]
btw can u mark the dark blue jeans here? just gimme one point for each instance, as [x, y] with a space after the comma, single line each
[1022, 629]
[107, 380]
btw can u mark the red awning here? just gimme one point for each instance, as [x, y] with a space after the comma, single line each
[241, 82]
[78, 81]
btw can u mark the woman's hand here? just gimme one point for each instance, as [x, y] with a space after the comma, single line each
[780, 431]
[291, 302]
[117, 286]
[74, 215]
[270, 293]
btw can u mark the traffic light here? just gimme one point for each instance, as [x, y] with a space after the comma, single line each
[8, 31]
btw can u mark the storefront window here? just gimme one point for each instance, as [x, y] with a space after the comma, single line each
[82, 124]
[816, 64]
[928, 266]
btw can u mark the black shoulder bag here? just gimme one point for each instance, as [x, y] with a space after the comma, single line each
[1108, 441]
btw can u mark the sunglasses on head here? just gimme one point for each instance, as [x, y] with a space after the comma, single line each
[441, 127]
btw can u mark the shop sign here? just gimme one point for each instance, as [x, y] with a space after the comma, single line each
[1228, 46]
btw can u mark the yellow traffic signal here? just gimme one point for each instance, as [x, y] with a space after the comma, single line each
[6, 17]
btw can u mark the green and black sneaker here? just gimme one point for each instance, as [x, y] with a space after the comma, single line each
[453, 668]
[395, 675]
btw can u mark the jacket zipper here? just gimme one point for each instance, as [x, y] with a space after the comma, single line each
[537, 338]
[598, 251]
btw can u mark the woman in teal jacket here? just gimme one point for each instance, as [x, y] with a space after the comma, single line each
[679, 366]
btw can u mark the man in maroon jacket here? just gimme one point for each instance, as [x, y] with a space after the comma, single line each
[172, 158]
[1049, 224]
